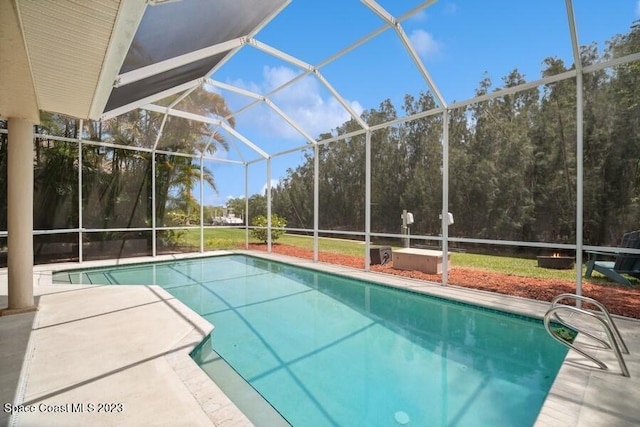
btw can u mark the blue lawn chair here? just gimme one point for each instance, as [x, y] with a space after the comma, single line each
[624, 263]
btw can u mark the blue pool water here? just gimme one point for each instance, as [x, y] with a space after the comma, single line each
[325, 350]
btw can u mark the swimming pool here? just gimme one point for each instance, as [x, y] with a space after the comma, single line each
[328, 350]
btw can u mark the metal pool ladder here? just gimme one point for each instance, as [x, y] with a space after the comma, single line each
[614, 342]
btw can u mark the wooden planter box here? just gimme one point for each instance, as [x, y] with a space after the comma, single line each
[425, 260]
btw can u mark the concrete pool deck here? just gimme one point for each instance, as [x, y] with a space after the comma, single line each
[125, 350]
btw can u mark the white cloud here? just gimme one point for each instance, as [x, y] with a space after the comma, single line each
[275, 77]
[424, 43]
[274, 183]
[638, 8]
[303, 102]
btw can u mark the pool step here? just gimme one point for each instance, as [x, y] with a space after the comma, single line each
[241, 393]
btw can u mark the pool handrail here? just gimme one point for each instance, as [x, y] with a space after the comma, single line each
[603, 311]
[607, 324]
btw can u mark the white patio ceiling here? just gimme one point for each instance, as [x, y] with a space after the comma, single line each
[65, 53]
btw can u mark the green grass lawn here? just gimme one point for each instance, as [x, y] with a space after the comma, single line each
[508, 265]
[221, 238]
[226, 238]
[229, 238]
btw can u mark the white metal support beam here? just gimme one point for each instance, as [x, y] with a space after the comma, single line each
[278, 89]
[367, 202]
[182, 114]
[242, 138]
[273, 92]
[280, 55]
[418, 62]
[159, 135]
[246, 206]
[204, 119]
[184, 95]
[579, 146]
[201, 205]
[154, 224]
[289, 120]
[80, 213]
[245, 108]
[611, 63]
[178, 61]
[373, 34]
[395, 24]
[445, 197]
[514, 89]
[290, 150]
[149, 99]
[211, 138]
[269, 225]
[308, 68]
[267, 101]
[316, 200]
[235, 147]
[218, 122]
[381, 12]
[234, 89]
[341, 100]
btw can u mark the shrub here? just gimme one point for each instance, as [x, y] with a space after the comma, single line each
[261, 233]
[171, 239]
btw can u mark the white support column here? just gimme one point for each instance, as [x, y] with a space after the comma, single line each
[316, 200]
[579, 183]
[269, 205]
[20, 216]
[246, 206]
[367, 202]
[201, 204]
[80, 222]
[445, 197]
[154, 252]
[579, 146]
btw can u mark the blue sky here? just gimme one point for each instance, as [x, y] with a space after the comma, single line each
[459, 43]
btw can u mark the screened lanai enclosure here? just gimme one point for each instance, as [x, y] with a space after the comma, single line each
[159, 120]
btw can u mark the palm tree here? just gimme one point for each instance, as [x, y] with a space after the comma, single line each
[184, 180]
[185, 136]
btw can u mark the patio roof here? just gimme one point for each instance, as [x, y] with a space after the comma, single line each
[97, 60]
[93, 57]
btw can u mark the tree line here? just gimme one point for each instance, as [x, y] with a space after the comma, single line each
[512, 161]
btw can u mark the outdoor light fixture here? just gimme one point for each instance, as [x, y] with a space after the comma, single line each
[449, 218]
[407, 220]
